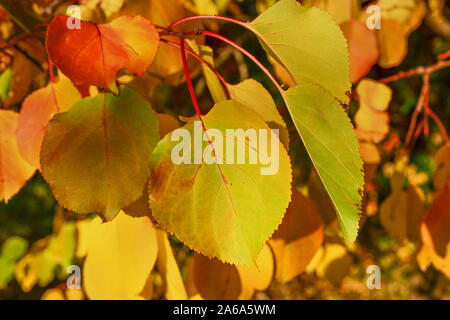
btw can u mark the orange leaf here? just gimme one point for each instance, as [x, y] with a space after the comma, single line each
[298, 238]
[37, 110]
[212, 279]
[14, 171]
[372, 121]
[363, 48]
[94, 53]
[434, 231]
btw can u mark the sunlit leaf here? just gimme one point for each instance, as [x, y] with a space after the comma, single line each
[308, 43]
[227, 210]
[434, 231]
[14, 171]
[120, 255]
[94, 53]
[167, 266]
[363, 48]
[37, 110]
[257, 277]
[331, 143]
[96, 156]
[298, 238]
[372, 120]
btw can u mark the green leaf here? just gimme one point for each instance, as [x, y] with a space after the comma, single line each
[308, 43]
[252, 94]
[222, 210]
[313, 49]
[331, 143]
[5, 82]
[13, 248]
[96, 155]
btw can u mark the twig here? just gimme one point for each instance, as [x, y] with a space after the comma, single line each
[417, 71]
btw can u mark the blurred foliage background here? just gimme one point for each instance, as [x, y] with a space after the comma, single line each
[32, 220]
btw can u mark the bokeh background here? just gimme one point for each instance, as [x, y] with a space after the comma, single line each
[40, 239]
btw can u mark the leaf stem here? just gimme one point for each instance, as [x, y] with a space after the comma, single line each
[188, 77]
[196, 56]
[226, 40]
[245, 52]
[192, 18]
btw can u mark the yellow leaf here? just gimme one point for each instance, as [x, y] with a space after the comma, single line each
[14, 170]
[53, 294]
[298, 237]
[120, 256]
[257, 277]
[372, 121]
[167, 266]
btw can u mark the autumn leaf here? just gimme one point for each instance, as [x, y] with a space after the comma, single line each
[49, 259]
[298, 238]
[252, 94]
[331, 143]
[120, 255]
[398, 19]
[442, 174]
[212, 279]
[401, 211]
[211, 79]
[94, 53]
[37, 110]
[233, 207]
[13, 248]
[257, 277]
[363, 48]
[372, 120]
[312, 48]
[434, 231]
[341, 10]
[101, 148]
[308, 43]
[140, 208]
[14, 170]
[167, 266]
[332, 262]
[22, 77]
[59, 294]
[168, 62]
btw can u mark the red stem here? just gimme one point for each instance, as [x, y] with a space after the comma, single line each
[416, 135]
[196, 56]
[245, 52]
[417, 71]
[228, 41]
[227, 19]
[188, 78]
[440, 125]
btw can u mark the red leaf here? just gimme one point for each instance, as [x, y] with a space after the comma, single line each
[94, 53]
